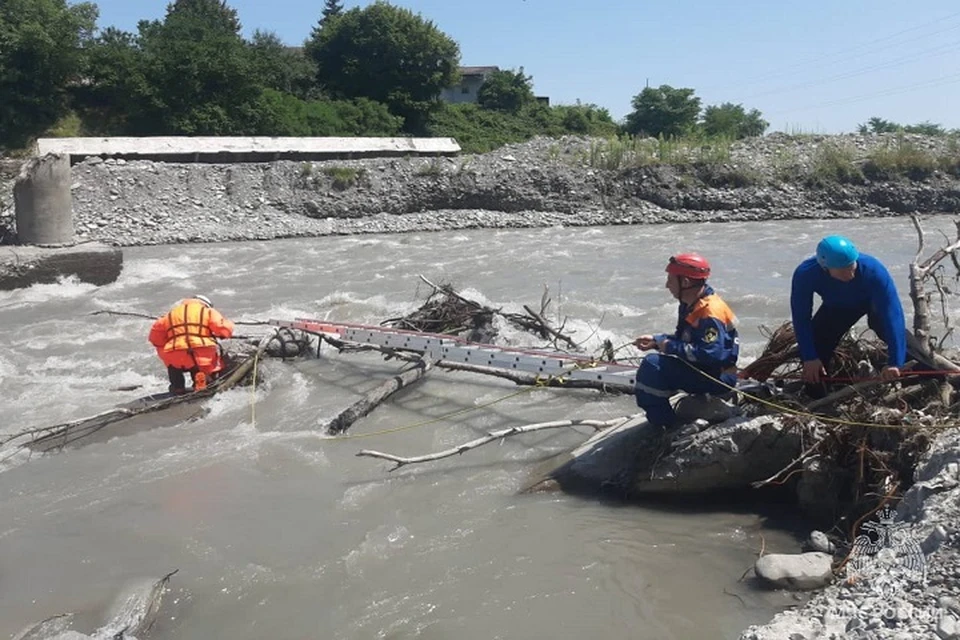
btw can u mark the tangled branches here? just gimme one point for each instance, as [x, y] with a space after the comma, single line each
[863, 441]
[780, 360]
[446, 311]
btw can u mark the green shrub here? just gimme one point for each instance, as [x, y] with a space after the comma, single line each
[69, 126]
[479, 130]
[834, 164]
[433, 168]
[902, 159]
[283, 114]
[786, 165]
[344, 177]
[950, 160]
[726, 175]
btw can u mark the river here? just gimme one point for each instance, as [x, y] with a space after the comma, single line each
[279, 531]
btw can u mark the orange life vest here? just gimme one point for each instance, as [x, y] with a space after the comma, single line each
[188, 327]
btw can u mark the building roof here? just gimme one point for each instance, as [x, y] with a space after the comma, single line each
[477, 71]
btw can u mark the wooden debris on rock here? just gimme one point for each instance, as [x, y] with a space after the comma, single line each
[864, 438]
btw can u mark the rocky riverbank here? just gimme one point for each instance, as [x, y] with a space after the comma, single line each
[908, 587]
[544, 182]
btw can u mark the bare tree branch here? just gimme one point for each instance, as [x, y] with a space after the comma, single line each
[550, 330]
[490, 437]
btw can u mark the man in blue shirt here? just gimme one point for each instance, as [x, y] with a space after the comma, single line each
[850, 285]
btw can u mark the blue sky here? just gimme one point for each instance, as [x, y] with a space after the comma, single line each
[810, 66]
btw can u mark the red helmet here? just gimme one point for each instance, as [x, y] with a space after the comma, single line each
[689, 265]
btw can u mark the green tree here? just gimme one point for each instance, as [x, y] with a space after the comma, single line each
[114, 86]
[506, 91]
[587, 119]
[925, 128]
[281, 67]
[732, 121]
[331, 9]
[41, 52]
[200, 73]
[663, 111]
[208, 12]
[387, 54]
[878, 125]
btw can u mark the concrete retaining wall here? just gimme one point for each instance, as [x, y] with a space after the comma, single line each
[245, 149]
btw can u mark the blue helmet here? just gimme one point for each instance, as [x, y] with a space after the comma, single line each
[836, 252]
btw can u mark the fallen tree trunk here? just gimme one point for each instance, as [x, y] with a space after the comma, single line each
[59, 436]
[372, 399]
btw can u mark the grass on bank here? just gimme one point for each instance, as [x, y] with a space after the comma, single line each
[833, 162]
[709, 158]
[344, 177]
[626, 152]
[898, 159]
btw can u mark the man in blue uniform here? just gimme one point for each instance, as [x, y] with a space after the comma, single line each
[850, 285]
[703, 349]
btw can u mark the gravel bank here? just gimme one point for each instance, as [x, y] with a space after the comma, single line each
[543, 182]
[890, 603]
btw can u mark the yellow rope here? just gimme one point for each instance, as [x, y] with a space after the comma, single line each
[253, 391]
[817, 416]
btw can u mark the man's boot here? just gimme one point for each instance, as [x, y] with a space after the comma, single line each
[177, 381]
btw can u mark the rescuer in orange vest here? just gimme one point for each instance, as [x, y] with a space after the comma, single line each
[186, 341]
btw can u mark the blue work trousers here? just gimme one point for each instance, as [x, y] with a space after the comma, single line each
[661, 376]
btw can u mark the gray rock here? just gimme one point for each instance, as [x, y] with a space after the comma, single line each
[796, 571]
[948, 628]
[949, 604]
[819, 541]
[22, 266]
[703, 406]
[933, 541]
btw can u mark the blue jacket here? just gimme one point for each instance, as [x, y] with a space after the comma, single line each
[872, 288]
[706, 334]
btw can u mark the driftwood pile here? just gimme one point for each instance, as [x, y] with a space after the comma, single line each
[863, 439]
[854, 358]
[446, 311]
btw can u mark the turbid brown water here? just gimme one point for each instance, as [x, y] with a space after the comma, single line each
[281, 532]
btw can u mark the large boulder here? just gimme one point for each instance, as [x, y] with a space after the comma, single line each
[802, 571]
[638, 459]
[730, 455]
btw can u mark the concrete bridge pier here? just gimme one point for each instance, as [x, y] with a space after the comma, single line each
[44, 205]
